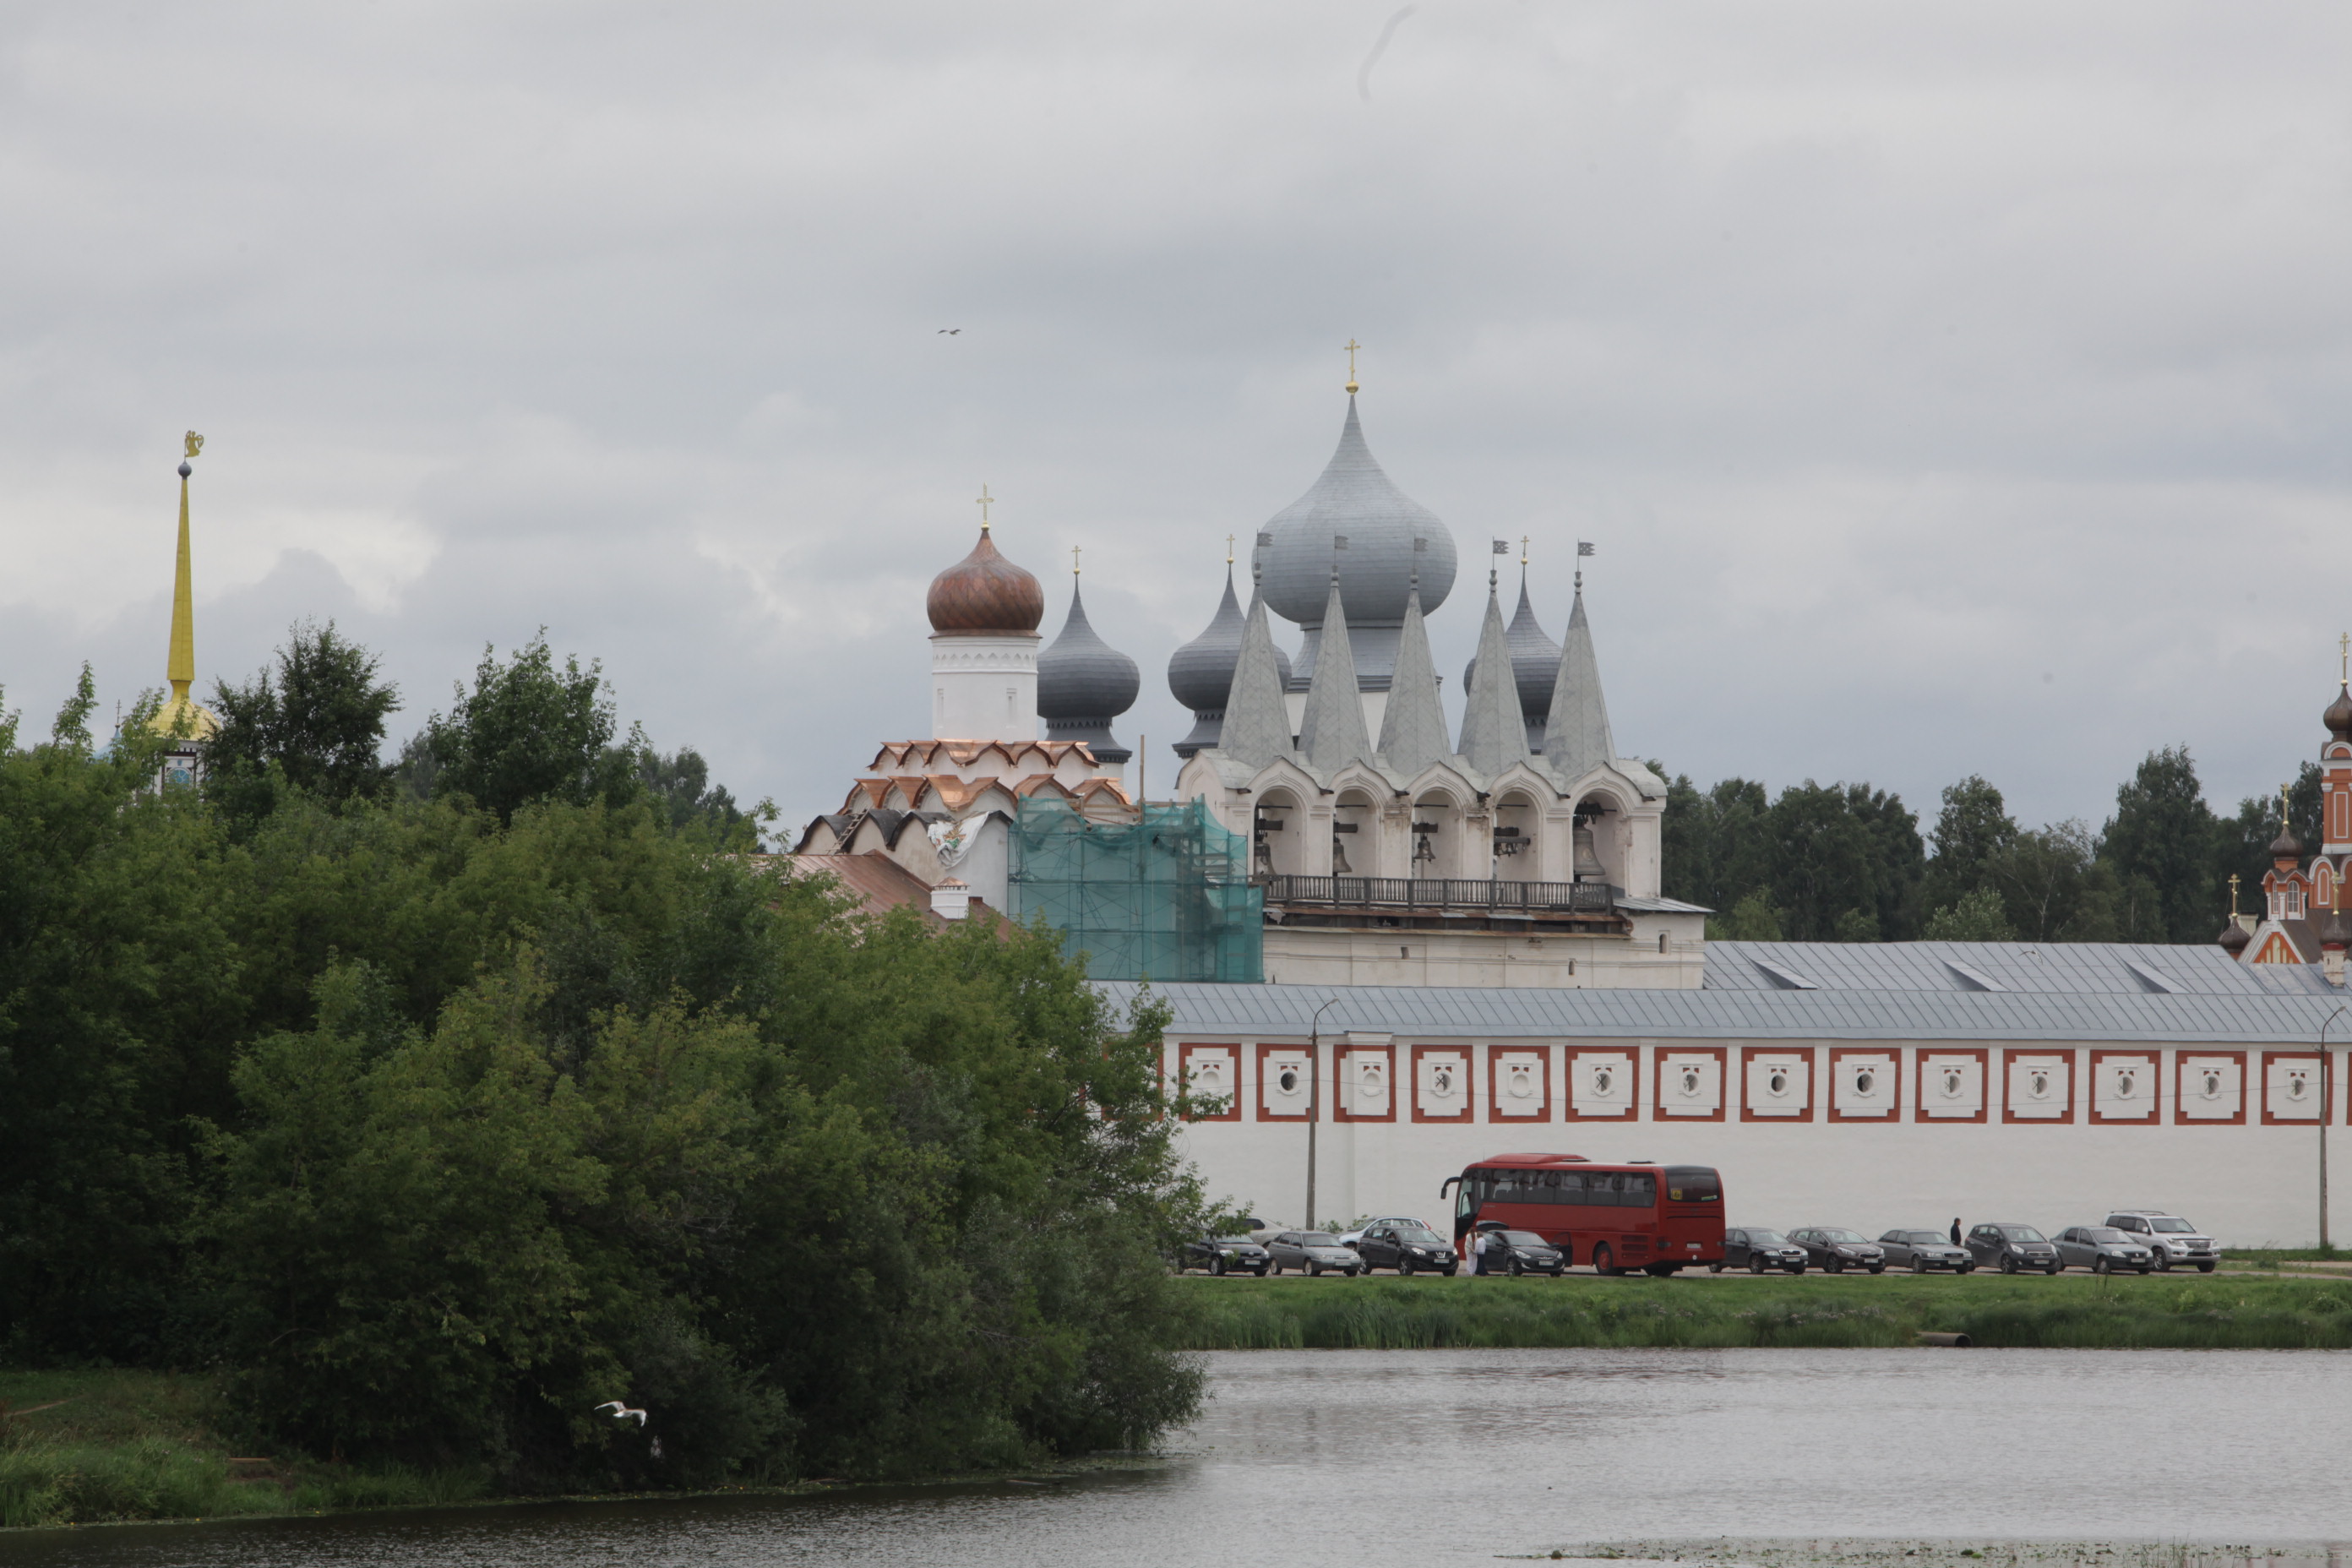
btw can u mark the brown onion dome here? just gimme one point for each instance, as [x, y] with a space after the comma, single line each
[2233, 939]
[985, 595]
[2338, 717]
[2335, 931]
[2286, 845]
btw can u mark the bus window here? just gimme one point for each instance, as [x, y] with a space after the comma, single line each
[1692, 1185]
[1641, 1191]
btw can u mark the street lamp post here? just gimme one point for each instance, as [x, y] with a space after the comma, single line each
[1314, 1102]
[2326, 1104]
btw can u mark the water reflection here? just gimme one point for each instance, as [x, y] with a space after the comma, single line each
[1387, 1457]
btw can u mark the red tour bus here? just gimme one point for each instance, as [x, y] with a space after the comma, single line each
[1617, 1219]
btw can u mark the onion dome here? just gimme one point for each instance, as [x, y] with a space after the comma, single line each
[1200, 673]
[2235, 938]
[2338, 717]
[1534, 665]
[2335, 931]
[984, 595]
[2286, 845]
[1083, 683]
[1356, 498]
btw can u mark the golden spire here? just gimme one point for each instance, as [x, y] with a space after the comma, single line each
[182, 716]
[1352, 346]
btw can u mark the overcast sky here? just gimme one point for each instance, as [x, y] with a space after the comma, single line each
[1945, 389]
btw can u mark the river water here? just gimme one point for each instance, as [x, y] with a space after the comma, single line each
[1386, 1458]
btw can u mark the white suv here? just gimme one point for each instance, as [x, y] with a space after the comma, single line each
[2173, 1239]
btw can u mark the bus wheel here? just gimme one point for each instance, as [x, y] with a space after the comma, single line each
[1603, 1261]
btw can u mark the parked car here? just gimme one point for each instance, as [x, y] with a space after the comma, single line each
[1758, 1250]
[2102, 1248]
[1406, 1247]
[2170, 1238]
[1502, 1251]
[1226, 1255]
[1311, 1252]
[1838, 1250]
[1350, 1237]
[2010, 1247]
[1920, 1250]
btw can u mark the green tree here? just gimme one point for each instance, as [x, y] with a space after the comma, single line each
[1847, 863]
[2053, 886]
[2164, 842]
[1753, 919]
[682, 790]
[1716, 846]
[528, 732]
[1972, 830]
[1976, 917]
[314, 722]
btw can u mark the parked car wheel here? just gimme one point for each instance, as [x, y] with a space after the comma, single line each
[1834, 1264]
[2146, 1267]
[1716, 1267]
[1517, 1268]
[2204, 1269]
[1795, 1268]
[1217, 1264]
[1604, 1260]
[2007, 1264]
[2102, 1264]
[1448, 1270]
[1878, 1269]
[1259, 1270]
[2163, 1262]
[1919, 1264]
[1755, 1262]
[1404, 1268]
[1967, 1267]
[1272, 1267]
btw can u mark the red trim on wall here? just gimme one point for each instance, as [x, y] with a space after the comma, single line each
[1495, 1095]
[1658, 1080]
[1631, 1056]
[2180, 1089]
[1813, 1071]
[1919, 1054]
[2009, 1116]
[1892, 1056]
[1340, 1111]
[2155, 1061]
[1469, 1055]
[2327, 1111]
[1313, 1096]
[1233, 1110]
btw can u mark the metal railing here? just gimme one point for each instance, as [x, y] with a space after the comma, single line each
[1438, 893]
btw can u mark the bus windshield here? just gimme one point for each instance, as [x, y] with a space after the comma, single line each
[1692, 1185]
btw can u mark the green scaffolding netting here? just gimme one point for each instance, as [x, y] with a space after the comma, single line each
[1165, 898]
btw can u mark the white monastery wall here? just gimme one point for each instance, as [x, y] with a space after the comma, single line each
[1871, 1136]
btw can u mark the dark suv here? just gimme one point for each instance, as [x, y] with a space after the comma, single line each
[1838, 1250]
[1758, 1250]
[1408, 1250]
[2010, 1247]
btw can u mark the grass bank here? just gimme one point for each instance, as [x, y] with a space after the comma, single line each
[2160, 1313]
[89, 1448]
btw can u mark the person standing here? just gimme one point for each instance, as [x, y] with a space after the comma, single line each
[1956, 1232]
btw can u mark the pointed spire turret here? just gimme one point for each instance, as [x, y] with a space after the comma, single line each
[1331, 732]
[1413, 729]
[181, 715]
[1200, 673]
[1494, 732]
[1256, 727]
[1576, 734]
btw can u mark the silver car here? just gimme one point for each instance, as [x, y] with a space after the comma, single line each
[1311, 1252]
[1920, 1250]
[2102, 1249]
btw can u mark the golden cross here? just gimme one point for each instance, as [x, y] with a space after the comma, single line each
[1229, 550]
[2343, 648]
[984, 500]
[1352, 346]
[1523, 550]
[2234, 895]
[1074, 560]
[195, 443]
[2283, 814]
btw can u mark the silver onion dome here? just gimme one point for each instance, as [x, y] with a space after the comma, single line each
[1535, 667]
[1355, 498]
[1084, 683]
[1200, 673]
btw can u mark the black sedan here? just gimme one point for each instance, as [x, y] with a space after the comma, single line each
[1408, 1250]
[2010, 1247]
[1502, 1251]
[1920, 1250]
[1311, 1252]
[1758, 1250]
[1837, 1250]
[1226, 1255]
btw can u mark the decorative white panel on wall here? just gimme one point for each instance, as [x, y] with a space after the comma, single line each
[2213, 1089]
[2290, 1088]
[2124, 1087]
[1442, 1086]
[1780, 1083]
[1519, 1084]
[1600, 1083]
[2040, 1086]
[1951, 1085]
[1283, 1087]
[1689, 1084]
[1364, 1082]
[1865, 1084]
[1214, 1073]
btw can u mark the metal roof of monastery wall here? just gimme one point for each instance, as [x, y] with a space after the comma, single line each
[2088, 993]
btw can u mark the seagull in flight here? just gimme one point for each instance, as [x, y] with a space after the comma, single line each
[951, 331]
[621, 1412]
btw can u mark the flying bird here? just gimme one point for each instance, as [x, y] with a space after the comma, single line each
[951, 330]
[621, 1412]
